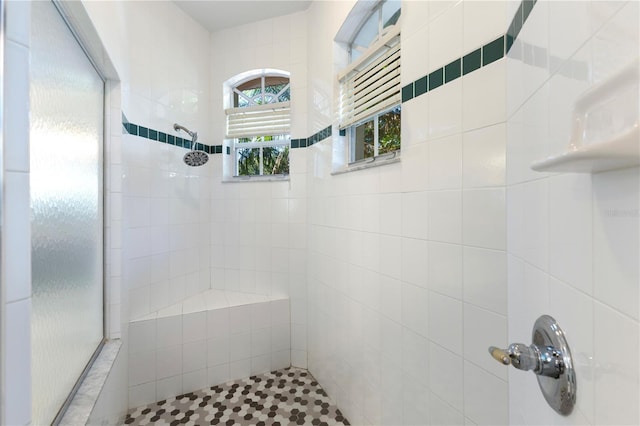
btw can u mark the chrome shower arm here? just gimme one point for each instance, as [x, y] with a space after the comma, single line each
[194, 135]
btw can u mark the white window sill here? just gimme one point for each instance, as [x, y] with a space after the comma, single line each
[378, 161]
[263, 178]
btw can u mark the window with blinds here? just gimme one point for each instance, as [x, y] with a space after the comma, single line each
[258, 120]
[371, 84]
[259, 125]
[369, 104]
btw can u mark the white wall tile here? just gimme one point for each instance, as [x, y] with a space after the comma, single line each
[485, 397]
[570, 230]
[169, 332]
[479, 86]
[218, 374]
[445, 162]
[445, 107]
[239, 319]
[169, 387]
[240, 346]
[484, 157]
[481, 327]
[18, 376]
[484, 218]
[217, 323]
[16, 118]
[446, 375]
[414, 66]
[414, 261]
[415, 307]
[299, 359]
[142, 335]
[415, 112]
[414, 211]
[390, 251]
[564, 41]
[261, 364]
[391, 298]
[217, 351]
[168, 361]
[445, 216]
[564, 92]
[616, 245]
[573, 309]
[142, 368]
[415, 356]
[445, 269]
[260, 341]
[445, 36]
[622, 377]
[280, 312]
[445, 310]
[415, 13]
[485, 279]
[194, 380]
[611, 51]
[280, 338]
[19, 25]
[194, 356]
[142, 394]
[139, 302]
[390, 214]
[415, 398]
[442, 413]
[280, 359]
[194, 327]
[240, 368]
[17, 233]
[528, 222]
[484, 21]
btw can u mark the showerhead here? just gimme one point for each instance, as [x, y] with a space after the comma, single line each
[195, 157]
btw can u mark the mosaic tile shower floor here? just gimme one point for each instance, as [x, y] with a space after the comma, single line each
[284, 397]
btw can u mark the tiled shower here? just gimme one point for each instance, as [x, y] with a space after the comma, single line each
[395, 278]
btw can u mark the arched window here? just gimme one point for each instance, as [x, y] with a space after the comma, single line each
[258, 123]
[370, 85]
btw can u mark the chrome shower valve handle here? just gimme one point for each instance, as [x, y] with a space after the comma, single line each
[544, 361]
[549, 358]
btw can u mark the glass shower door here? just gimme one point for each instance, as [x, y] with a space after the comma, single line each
[67, 100]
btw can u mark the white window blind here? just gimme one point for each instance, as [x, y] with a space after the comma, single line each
[260, 120]
[372, 83]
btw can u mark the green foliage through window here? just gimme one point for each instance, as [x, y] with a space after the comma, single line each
[363, 144]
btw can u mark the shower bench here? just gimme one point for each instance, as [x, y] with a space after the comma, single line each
[206, 340]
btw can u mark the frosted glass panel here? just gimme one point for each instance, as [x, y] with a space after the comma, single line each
[66, 201]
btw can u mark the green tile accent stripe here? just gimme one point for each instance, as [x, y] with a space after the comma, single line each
[436, 78]
[158, 136]
[407, 92]
[319, 136]
[523, 12]
[421, 85]
[472, 61]
[493, 51]
[453, 70]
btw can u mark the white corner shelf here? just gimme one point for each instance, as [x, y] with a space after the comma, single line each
[606, 134]
[619, 153]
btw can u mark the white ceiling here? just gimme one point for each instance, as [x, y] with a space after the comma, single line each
[219, 14]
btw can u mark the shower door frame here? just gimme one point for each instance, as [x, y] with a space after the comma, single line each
[87, 38]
